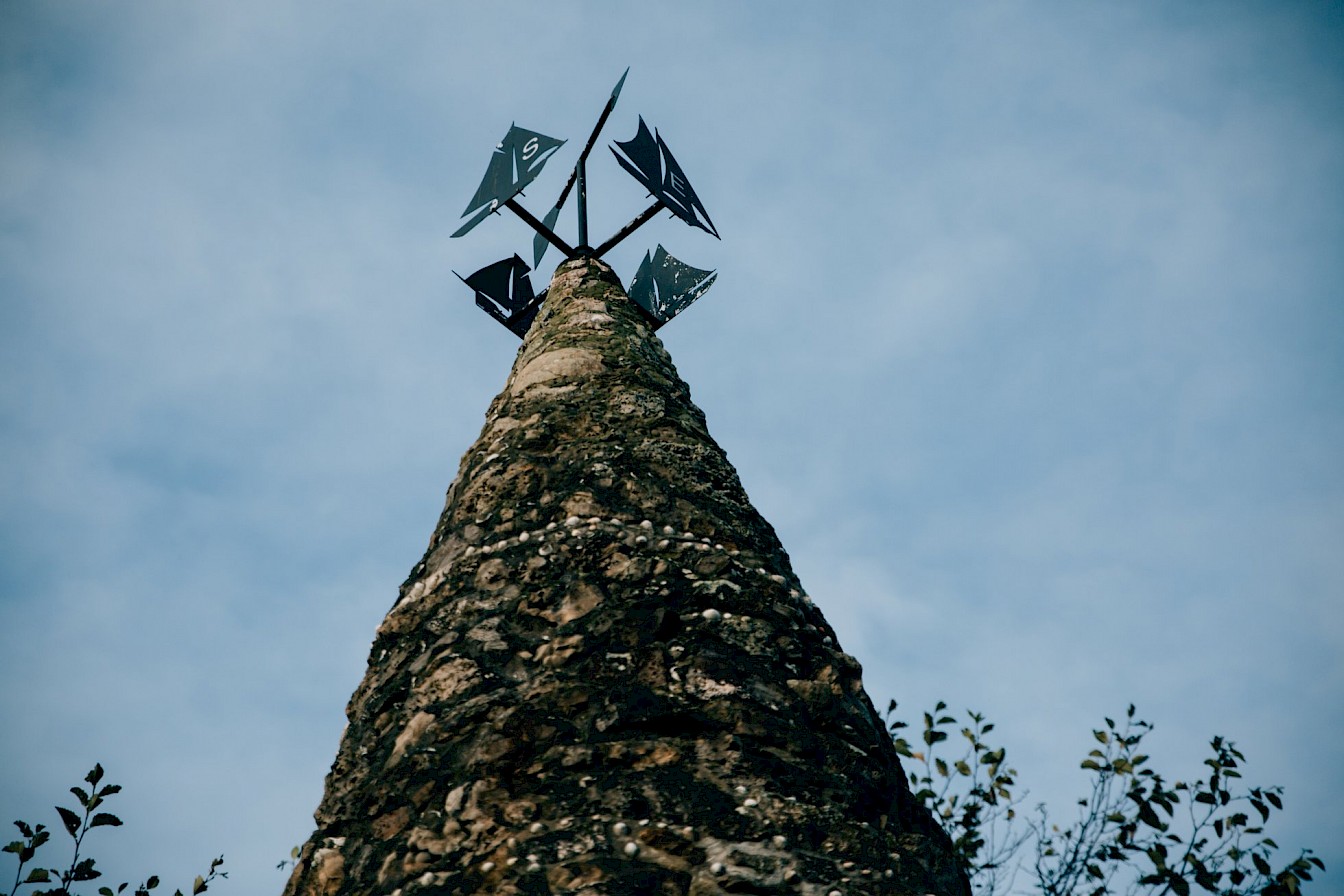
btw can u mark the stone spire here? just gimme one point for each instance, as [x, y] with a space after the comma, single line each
[603, 677]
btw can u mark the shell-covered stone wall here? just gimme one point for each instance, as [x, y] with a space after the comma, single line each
[604, 677]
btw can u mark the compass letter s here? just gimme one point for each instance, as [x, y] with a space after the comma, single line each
[529, 149]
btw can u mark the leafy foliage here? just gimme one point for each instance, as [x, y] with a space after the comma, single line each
[1134, 833]
[970, 793]
[83, 869]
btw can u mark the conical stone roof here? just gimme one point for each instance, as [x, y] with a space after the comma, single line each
[604, 677]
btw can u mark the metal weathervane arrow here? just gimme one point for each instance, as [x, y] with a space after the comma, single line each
[662, 287]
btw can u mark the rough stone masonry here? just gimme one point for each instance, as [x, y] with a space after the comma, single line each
[604, 677]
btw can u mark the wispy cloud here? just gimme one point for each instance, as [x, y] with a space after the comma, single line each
[1026, 338]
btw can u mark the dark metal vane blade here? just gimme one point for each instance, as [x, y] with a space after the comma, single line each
[517, 161]
[476, 219]
[664, 286]
[539, 241]
[649, 161]
[504, 291]
[641, 158]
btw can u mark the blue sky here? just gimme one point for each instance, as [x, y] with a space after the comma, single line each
[1028, 338]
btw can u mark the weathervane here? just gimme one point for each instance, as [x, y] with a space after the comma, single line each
[662, 287]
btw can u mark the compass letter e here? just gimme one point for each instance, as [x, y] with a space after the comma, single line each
[676, 185]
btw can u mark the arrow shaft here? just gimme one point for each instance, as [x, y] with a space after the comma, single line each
[630, 228]
[592, 141]
[546, 232]
[597, 128]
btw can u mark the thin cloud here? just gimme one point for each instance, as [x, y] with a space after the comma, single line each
[1025, 339]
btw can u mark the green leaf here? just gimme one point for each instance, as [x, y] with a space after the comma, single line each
[96, 775]
[1260, 864]
[1102, 736]
[1148, 816]
[105, 818]
[85, 871]
[1179, 885]
[80, 795]
[38, 876]
[198, 886]
[72, 821]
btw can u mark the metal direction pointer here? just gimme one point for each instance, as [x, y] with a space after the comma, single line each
[662, 287]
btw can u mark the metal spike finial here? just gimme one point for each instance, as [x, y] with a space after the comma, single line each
[662, 287]
[578, 174]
